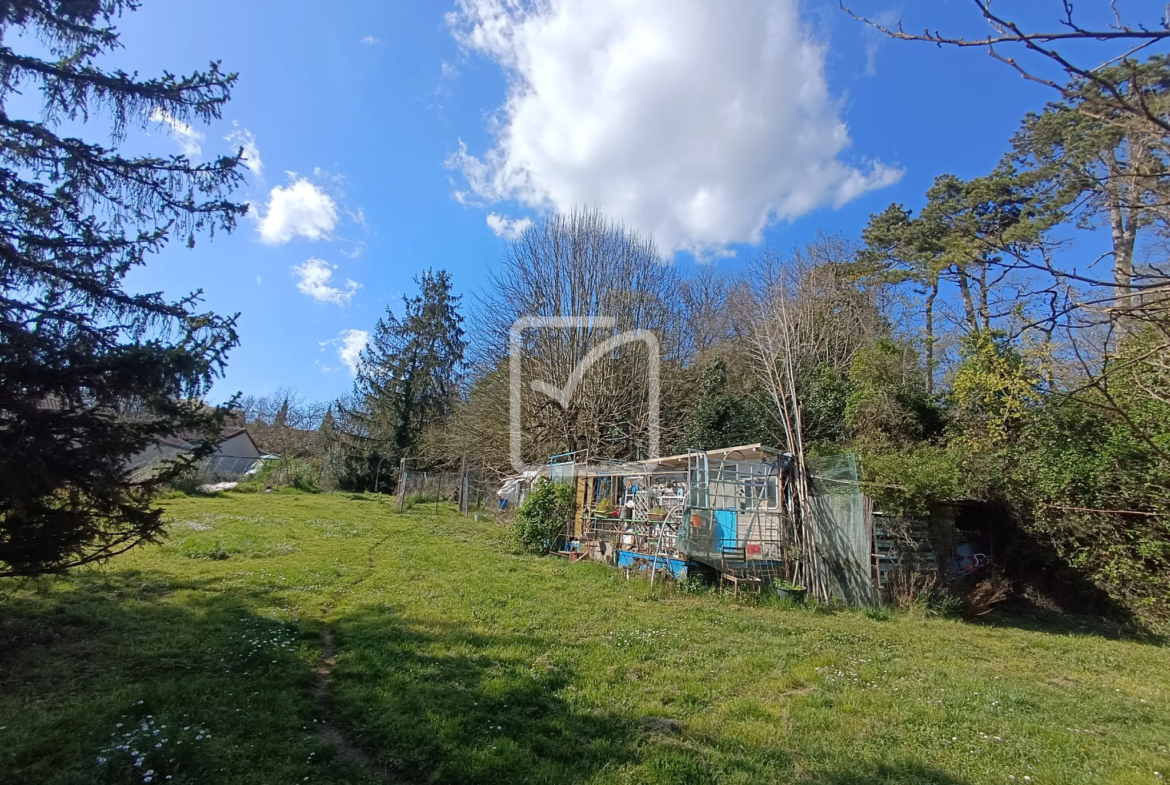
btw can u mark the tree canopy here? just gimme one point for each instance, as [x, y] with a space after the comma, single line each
[90, 373]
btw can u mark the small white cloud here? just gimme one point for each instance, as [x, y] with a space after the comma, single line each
[335, 180]
[349, 345]
[449, 70]
[247, 140]
[188, 138]
[314, 278]
[508, 228]
[358, 217]
[874, 38]
[352, 343]
[369, 40]
[259, 280]
[299, 210]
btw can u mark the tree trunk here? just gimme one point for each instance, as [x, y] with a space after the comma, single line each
[984, 306]
[968, 302]
[930, 337]
[1123, 224]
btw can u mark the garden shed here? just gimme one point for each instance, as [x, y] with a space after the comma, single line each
[725, 512]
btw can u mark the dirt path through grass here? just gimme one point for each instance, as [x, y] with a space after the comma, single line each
[331, 730]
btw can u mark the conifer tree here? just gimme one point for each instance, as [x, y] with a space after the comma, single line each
[90, 373]
[409, 373]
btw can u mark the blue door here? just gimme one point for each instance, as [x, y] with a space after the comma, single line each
[726, 532]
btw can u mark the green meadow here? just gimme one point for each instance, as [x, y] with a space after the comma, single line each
[326, 638]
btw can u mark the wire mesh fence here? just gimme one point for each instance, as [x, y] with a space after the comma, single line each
[844, 536]
[470, 490]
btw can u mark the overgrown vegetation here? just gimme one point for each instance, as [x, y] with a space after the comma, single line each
[287, 472]
[803, 352]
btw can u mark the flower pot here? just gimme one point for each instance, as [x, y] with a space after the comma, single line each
[790, 593]
[656, 516]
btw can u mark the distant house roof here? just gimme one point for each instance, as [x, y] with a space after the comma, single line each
[236, 452]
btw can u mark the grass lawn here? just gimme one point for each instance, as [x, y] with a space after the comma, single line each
[449, 659]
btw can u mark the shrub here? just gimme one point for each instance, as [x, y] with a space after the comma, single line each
[189, 481]
[291, 472]
[542, 516]
[877, 613]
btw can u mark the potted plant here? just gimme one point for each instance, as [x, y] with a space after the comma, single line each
[657, 514]
[602, 509]
[787, 590]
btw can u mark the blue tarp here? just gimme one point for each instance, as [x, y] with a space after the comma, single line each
[640, 561]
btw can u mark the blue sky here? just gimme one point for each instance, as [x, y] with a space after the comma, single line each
[368, 104]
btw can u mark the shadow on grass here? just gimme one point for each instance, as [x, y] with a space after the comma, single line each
[913, 774]
[435, 701]
[1022, 613]
[429, 699]
[83, 664]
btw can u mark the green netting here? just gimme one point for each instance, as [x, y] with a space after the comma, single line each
[841, 531]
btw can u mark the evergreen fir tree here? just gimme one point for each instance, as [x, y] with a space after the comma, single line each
[91, 374]
[409, 373]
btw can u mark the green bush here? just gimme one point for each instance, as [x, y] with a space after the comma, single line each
[543, 515]
[188, 482]
[290, 472]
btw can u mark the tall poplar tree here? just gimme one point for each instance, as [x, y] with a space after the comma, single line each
[90, 373]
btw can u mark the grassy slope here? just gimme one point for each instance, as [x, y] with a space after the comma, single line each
[462, 663]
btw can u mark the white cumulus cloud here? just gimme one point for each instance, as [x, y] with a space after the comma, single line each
[349, 345]
[508, 228]
[299, 209]
[247, 140]
[188, 138]
[369, 40]
[698, 122]
[314, 278]
[352, 343]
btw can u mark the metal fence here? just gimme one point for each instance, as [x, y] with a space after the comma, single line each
[470, 490]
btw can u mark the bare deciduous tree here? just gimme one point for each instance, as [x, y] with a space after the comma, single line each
[807, 315]
[282, 422]
[582, 265]
[1125, 38]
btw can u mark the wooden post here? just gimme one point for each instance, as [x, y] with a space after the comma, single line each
[464, 505]
[402, 485]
